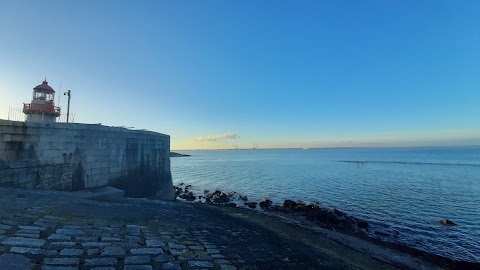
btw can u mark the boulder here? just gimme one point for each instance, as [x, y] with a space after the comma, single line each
[447, 222]
[337, 212]
[289, 204]
[251, 204]
[382, 234]
[219, 197]
[188, 196]
[265, 203]
[178, 191]
[243, 197]
[301, 207]
[362, 224]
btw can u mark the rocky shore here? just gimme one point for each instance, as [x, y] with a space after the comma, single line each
[313, 216]
[49, 230]
[329, 218]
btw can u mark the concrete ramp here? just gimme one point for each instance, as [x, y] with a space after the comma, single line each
[100, 194]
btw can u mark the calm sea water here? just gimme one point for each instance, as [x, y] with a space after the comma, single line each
[407, 190]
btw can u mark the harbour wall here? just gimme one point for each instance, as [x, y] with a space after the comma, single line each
[71, 156]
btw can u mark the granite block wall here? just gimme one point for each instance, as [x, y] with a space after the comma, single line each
[71, 156]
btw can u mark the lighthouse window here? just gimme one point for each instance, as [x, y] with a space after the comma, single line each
[39, 95]
[43, 96]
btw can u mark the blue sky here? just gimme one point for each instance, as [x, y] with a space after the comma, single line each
[221, 74]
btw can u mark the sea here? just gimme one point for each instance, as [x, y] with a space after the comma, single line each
[402, 191]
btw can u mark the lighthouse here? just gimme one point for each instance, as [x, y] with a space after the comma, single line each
[42, 108]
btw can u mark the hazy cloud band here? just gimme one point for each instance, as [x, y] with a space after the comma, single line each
[214, 138]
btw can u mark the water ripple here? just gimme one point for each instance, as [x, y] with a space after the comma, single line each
[406, 190]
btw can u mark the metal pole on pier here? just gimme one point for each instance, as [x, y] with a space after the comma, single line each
[69, 94]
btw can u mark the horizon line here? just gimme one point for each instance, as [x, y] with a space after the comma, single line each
[333, 147]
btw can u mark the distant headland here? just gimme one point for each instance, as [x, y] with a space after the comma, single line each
[174, 154]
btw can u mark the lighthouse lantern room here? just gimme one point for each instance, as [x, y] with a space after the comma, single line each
[42, 108]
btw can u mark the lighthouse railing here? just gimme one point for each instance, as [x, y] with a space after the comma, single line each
[49, 108]
[17, 114]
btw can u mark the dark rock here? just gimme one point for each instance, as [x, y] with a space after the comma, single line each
[188, 186]
[230, 194]
[319, 214]
[206, 191]
[277, 208]
[187, 196]
[243, 197]
[231, 204]
[362, 224]
[382, 234]
[350, 220]
[289, 204]
[447, 222]
[251, 204]
[178, 191]
[337, 212]
[174, 154]
[218, 197]
[301, 207]
[265, 203]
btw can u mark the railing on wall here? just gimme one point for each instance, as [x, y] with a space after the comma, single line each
[48, 108]
[16, 114]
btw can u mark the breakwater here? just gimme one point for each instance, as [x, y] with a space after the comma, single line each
[68, 156]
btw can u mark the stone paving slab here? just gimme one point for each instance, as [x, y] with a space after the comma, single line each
[51, 267]
[113, 251]
[22, 241]
[146, 251]
[137, 259]
[13, 261]
[56, 236]
[138, 267]
[143, 235]
[62, 261]
[71, 252]
[101, 261]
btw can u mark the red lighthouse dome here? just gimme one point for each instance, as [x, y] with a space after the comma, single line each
[44, 87]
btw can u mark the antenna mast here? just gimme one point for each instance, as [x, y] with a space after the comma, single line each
[59, 96]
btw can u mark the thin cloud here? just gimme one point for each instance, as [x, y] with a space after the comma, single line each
[214, 138]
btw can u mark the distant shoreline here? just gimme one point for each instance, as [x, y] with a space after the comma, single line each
[338, 147]
[175, 154]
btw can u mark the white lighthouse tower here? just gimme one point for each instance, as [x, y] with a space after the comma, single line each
[42, 108]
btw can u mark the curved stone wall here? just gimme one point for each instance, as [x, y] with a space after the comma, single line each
[70, 156]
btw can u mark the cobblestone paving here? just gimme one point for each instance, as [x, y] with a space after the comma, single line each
[58, 243]
[56, 232]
